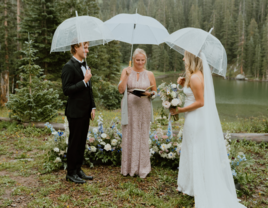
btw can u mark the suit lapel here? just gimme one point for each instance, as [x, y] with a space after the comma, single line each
[77, 67]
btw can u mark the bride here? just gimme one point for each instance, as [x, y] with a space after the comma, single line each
[204, 170]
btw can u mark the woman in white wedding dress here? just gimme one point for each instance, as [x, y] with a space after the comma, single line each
[204, 170]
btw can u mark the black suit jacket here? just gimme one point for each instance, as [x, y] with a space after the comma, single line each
[80, 98]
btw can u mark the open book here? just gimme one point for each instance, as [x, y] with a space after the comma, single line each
[140, 92]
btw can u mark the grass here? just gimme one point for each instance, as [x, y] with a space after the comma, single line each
[22, 181]
[241, 125]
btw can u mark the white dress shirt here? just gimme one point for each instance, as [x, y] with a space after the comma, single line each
[84, 72]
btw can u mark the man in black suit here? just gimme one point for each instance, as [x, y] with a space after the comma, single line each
[80, 108]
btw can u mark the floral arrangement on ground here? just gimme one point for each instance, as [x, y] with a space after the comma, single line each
[103, 146]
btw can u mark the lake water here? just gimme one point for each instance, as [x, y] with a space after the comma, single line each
[234, 99]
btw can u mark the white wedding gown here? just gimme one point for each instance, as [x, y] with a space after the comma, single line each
[204, 169]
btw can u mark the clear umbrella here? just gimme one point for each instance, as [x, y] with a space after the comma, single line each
[80, 29]
[196, 41]
[136, 29]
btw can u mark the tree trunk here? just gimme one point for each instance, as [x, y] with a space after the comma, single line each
[4, 87]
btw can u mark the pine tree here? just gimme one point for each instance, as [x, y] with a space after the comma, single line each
[241, 39]
[34, 100]
[265, 49]
[257, 61]
[40, 21]
[8, 33]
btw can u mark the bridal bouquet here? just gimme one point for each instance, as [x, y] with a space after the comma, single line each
[172, 97]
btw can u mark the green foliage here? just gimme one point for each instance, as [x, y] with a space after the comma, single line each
[40, 21]
[8, 35]
[106, 95]
[34, 100]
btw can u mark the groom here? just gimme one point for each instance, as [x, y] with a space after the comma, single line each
[80, 108]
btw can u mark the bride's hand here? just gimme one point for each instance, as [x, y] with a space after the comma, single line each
[181, 81]
[173, 111]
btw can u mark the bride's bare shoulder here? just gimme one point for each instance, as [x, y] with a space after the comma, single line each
[197, 79]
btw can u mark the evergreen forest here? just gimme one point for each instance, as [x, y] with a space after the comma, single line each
[241, 26]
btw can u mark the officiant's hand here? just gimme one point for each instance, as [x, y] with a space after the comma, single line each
[88, 75]
[92, 114]
[128, 70]
[181, 81]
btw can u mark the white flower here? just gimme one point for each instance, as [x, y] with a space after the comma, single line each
[66, 140]
[103, 143]
[166, 104]
[180, 133]
[176, 102]
[114, 142]
[228, 135]
[164, 155]
[173, 94]
[155, 148]
[150, 141]
[95, 130]
[169, 145]
[93, 148]
[61, 153]
[179, 148]
[151, 152]
[57, 160]
[54, 133]
[107, 147]
[174, 86]
[103, 135]
[163, 147]
[168, 91]
[56, 149]
[171, 155]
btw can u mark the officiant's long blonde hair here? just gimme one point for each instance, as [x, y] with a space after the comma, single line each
[192, 65]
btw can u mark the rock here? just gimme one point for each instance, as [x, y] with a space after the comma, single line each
[13, 205]
[240, 77]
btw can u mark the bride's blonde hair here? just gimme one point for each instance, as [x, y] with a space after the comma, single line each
[192, 65]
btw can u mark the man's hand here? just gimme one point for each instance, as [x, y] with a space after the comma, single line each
[92, 114]
[88, 75]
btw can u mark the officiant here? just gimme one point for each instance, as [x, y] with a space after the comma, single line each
[79, 110]
[137, 113]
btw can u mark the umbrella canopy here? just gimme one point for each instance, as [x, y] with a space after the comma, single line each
[137, 29]
[80, 29]
[195, 41]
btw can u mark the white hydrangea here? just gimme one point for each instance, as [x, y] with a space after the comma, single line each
[95, 130]
[103, 135]
[57, 160]
[180, 133]
[114, 142]
[93, 148]
[173, 94]
[169, 145]
[155, 148]
[56, 149]
[151, 152]
[174, 86]
[176, 102]
[166, 104]
[164, 155]
[108, 147]
[179, 148]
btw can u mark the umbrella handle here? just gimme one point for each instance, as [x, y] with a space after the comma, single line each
[129, 64]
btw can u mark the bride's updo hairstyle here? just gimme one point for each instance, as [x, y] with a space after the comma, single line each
[140, 51]
[192, 65]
